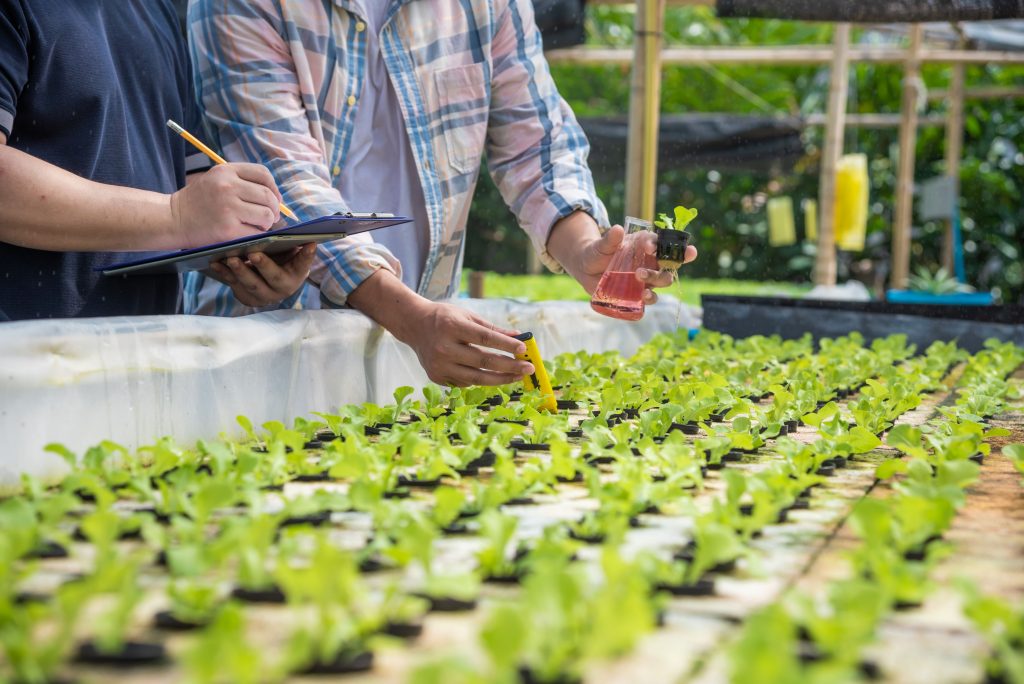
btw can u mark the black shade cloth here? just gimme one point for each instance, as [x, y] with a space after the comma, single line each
[560, 22]
[923, 324]
[724, 141]
[873, 11]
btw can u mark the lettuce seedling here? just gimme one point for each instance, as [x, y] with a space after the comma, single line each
[223, 653]
[193, 601]
[254, 540]
[37, 638]
[546, 427]
[845, 623]
[497, 531]
[448, 503]
[1002, 626]
[766, 650]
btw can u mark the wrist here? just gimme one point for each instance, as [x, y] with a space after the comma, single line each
[568, 239]
[386, 300]
[173, 221]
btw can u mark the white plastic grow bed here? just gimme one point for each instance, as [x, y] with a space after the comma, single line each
[134, 380]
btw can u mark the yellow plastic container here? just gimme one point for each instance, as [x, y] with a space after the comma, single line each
[781, 226]
[811, 219]
[851, 217]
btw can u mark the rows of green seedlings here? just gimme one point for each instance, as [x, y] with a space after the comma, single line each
[823, 638]
[395, 479]
[999, 621]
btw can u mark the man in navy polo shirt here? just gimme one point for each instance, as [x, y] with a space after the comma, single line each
[89, 169]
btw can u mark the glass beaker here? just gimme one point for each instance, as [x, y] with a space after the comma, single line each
[619, 294]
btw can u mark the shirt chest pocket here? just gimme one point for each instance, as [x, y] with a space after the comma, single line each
[464, 102]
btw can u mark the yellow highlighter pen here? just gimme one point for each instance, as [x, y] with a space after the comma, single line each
[539, 379]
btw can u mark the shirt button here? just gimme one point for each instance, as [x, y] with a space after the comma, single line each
[336, 170]
[351, 100]
[360, 27]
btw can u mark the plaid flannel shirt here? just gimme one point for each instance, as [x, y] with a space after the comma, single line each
[279, 82]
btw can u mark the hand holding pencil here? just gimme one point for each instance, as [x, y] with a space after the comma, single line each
[217, 159]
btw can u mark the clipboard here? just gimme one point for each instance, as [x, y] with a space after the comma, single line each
[324, 229]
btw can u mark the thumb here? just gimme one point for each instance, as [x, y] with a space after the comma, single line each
[610, 241]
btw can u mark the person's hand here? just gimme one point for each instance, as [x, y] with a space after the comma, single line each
[458, 348]
[596, 253]
[229, 201]
[263, 280]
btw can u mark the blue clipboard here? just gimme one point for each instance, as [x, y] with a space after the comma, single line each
[324, 229]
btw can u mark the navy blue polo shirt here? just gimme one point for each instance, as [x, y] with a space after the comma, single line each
[88, 85]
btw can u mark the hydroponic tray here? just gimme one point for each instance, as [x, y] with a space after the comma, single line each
[923, 324]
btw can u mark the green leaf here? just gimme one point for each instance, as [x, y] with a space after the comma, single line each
[890, 468]
[862, 440]
[447, 504]
[504, 636]
[683, 217]
[247, 426]
[62, 451]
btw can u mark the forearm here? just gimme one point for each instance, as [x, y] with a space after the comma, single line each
[45, 207]
[385, 299]
[567, 240]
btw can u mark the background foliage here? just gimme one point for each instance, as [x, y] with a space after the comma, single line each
[732, 229]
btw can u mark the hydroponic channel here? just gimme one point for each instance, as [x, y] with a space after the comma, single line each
[704, 510]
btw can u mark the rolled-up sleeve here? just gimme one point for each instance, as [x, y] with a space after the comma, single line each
[536, 150]
[14, 60]
[249, 89]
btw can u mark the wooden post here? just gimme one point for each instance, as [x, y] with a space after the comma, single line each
[835, 127]
[644, 110]
[905, 173]
[476, 284]
[954, 150]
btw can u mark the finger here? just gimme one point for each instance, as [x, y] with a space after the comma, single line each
[257, 173]
[250, 280]
[281, 282]
[487, 324]
[223, 273]
[254, 193]
[652, 278]
[463, 376]
[650, 297]
[257, 215]
[302, 260]
[485, 335]
[648, 242]
[691, 254]
[475, 357]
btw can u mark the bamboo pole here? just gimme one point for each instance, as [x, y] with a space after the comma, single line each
[835, 127]
[905, 174]
[979, 93]
[644, 110]
[874, 120]
[954, 151]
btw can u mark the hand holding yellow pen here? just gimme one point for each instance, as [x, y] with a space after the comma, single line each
[217, 159]
[539, 379]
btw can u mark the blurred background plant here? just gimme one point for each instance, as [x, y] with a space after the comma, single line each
[732, 231]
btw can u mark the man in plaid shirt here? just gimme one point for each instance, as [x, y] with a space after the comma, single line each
[389, 106]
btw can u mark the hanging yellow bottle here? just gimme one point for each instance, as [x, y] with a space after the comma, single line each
[781, 226]
[811, 219]
[851, 217]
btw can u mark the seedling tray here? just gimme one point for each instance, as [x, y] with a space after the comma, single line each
[923, 324]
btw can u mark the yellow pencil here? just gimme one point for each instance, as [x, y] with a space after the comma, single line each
[215, 157]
